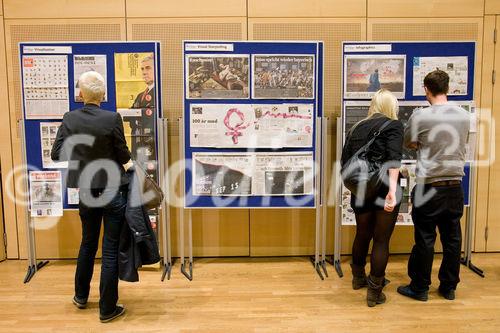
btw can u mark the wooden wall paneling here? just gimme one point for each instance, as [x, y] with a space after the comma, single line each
[491, 7]
[427, 8]
[302, 8]
[199, 9]
[485, 135]
[291, 231]
[47, 30]
[17, 9]
[215, 232]
[493, 241]
[428, 29]
[9, 208]
[3, 252]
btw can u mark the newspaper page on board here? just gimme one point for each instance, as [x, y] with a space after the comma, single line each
[257, 174]
[45, 85]
[86, 63]
[456, 67]
[283, 76]
[217, 76]
[45, 193]
[48, 132]
[251, 125]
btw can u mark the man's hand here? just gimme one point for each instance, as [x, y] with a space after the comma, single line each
[413, 145]
[390, 201]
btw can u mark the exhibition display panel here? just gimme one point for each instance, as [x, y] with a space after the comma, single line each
[49, 79]
[401, 67]
[252, 131]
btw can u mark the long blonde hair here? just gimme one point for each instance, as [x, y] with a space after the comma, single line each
[384, 102]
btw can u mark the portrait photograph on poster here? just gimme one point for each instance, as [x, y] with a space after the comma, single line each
[365, 74]
[283, 76]
[136, 102]
[217, 76]
[251, 125]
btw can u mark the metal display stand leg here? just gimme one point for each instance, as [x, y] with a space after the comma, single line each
[33, 266]
[467, 259]
[185, 262]
[316, 260]
[32, 269]
[324, 199]
[335, 261]
[165, 207]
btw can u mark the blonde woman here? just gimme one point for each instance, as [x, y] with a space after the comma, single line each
[375, 218]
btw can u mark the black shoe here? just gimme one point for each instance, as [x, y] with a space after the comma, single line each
[120, 310]
[448, 294]
[80, 303]
[407, 291]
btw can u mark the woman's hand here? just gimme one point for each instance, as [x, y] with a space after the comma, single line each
[390, 201]
[127, 165]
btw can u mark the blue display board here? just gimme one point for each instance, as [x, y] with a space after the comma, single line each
[32, 135]
[457, 56]
[199, 78]
[414, 52]
[466, 184]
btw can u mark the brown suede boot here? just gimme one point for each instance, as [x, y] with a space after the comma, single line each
[374, 294]
[358, 277]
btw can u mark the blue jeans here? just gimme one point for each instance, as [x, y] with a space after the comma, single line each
[113, 215]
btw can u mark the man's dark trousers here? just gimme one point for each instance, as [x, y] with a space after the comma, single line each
[443, 210]
[113, 215]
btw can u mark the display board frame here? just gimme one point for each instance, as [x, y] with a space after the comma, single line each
[32, 132]
[30, 126]
[413, 52]
[252, 49]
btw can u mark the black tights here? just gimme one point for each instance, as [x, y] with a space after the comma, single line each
[377, 225]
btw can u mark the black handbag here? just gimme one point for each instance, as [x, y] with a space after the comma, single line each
[152, 195]
[361, 175]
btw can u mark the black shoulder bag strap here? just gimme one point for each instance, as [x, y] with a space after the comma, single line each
[375, 135]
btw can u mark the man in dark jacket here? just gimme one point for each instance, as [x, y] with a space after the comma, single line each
[93, 142]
